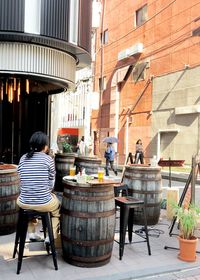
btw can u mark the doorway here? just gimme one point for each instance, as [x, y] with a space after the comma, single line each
[18, 121]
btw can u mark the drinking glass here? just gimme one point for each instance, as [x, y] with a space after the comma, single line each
[72, 171]
[100, 174]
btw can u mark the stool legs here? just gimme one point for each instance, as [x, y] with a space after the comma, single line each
[18, 232]
[51, 239]
[146, 230]
[124, 213]
[20, 238]
[22, 241]
[130, 224]
[127, 218]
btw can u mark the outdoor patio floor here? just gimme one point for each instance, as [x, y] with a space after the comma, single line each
[136, 263]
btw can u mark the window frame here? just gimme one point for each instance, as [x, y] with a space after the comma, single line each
[144, 14]
[104, 37]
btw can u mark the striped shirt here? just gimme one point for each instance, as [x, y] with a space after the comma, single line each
[37, 175]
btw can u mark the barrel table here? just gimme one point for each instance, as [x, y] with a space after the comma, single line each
[145, 182]
[91, 164]
[88, 222]
[63, 162]
[9, 191]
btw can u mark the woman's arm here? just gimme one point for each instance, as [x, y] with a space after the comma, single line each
[52, 174]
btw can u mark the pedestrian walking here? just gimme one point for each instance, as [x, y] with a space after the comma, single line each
[110, 156]
[139, 153]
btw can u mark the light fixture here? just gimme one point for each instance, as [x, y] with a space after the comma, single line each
[1, 91]
[12, 88]
[27, 86]
[14, 84]
[18, 91]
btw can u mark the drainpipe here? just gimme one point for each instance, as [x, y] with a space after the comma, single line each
[158, 145]
[101, 68]
[127, 135]
[198, 135]
[116, 114]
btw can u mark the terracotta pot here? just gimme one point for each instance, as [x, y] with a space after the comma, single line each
[187, 249]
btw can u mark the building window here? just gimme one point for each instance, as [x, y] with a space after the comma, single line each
[73, 24]
[104, 37]
[139, 72]
[102, 83]
[141, 16]
[32, 16]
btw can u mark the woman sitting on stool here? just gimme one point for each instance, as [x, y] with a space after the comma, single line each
[37, 175]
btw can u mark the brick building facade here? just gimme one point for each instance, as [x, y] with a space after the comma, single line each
[147, 69]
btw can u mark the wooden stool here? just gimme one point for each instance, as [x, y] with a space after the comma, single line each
[22, 226]
[126, 219]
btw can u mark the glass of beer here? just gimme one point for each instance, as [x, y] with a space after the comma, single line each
[100, 174]
[72, 171]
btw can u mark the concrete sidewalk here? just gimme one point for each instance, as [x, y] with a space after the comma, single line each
[135, 264]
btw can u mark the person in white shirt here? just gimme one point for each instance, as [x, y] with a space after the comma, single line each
[82, 147]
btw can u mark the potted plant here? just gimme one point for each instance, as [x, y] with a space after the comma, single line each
[67, 148]
[188, 219]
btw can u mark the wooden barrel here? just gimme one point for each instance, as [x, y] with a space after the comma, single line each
[145, 182]
[91, 164]
[63, 162]
[87, 224]
[9, 191]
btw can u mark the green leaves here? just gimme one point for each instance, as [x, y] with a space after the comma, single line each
[187, 219]
[67, 148]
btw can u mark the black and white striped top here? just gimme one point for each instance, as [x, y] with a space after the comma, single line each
[37, 176]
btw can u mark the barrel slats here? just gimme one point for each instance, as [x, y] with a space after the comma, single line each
[87, 225]
[145, 183]
[90, 259]
[86, 189]
[88, 198]
[91, 164]
[63, 162]
[9, 191]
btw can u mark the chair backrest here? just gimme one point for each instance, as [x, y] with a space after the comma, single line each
[121, 190]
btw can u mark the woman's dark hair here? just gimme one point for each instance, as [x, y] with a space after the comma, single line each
[138, 141]
[37, 143]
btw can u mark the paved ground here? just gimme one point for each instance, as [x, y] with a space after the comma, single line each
[136, 263]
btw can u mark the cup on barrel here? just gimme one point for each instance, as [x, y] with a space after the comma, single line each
[72, 171]
[100, 174]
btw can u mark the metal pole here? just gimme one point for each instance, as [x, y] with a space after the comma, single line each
[170, 182]
[193, 180]
[12, 144]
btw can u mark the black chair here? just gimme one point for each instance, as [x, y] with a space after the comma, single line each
[121, 190]
[127, 205]
[22, 226]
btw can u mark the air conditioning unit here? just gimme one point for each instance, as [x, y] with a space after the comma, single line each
[123, 54]
[135, 49]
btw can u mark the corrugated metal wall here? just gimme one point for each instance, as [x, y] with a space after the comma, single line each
[53, 26]
[34, 59]
[54, 18]
[85, 18]
[12, 15]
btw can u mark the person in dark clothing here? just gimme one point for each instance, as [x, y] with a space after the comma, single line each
[110, 155]
[139, 153]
